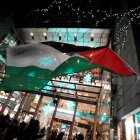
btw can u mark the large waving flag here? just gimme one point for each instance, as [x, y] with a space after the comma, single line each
[30, 67]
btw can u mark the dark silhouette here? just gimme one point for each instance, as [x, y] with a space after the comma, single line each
[21, 134]
[12, 131]
[60, 136]
[54, 134]
[4, 123]
[80, 137]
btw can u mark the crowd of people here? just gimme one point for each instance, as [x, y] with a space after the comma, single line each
[55, 135]
[12, 129]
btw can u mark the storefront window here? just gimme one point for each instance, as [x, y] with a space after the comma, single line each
[137, 125]
[129, 127]
[46, 111]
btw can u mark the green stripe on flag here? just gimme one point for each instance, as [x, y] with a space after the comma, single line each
[29, 71]
[29, 78]
[73, 65]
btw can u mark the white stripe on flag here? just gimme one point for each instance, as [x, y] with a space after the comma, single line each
[39, 55]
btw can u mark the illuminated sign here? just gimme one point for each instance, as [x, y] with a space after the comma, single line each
[84, 78]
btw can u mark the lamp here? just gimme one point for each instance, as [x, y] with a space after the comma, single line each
[45, 35]
[92, 37]
[75, 37]
[59, 36]
[32, 35]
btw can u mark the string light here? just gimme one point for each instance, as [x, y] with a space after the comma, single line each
[106, 15]
[122, 30]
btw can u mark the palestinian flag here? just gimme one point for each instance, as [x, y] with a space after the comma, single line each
[30, 67]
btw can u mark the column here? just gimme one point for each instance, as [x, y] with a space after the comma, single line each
[95, 121]
[73, 121]
[38, 105]
[51, 124]
[21, 105]
[6, 103]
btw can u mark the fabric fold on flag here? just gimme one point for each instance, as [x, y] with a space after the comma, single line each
[74, 64]
[30, 67]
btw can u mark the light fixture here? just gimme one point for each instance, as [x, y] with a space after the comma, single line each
[75, 37]
[59, 36]
[32, 35]
[104, 113]
[45, 35]
[91, 37]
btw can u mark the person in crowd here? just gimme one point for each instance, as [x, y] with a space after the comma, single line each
[4, 123]
[75, 137]
[21, 134]
[12, 131]
[80, 136]
[54, 134]
[60, 136]
[41, 134]
[32, 130]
